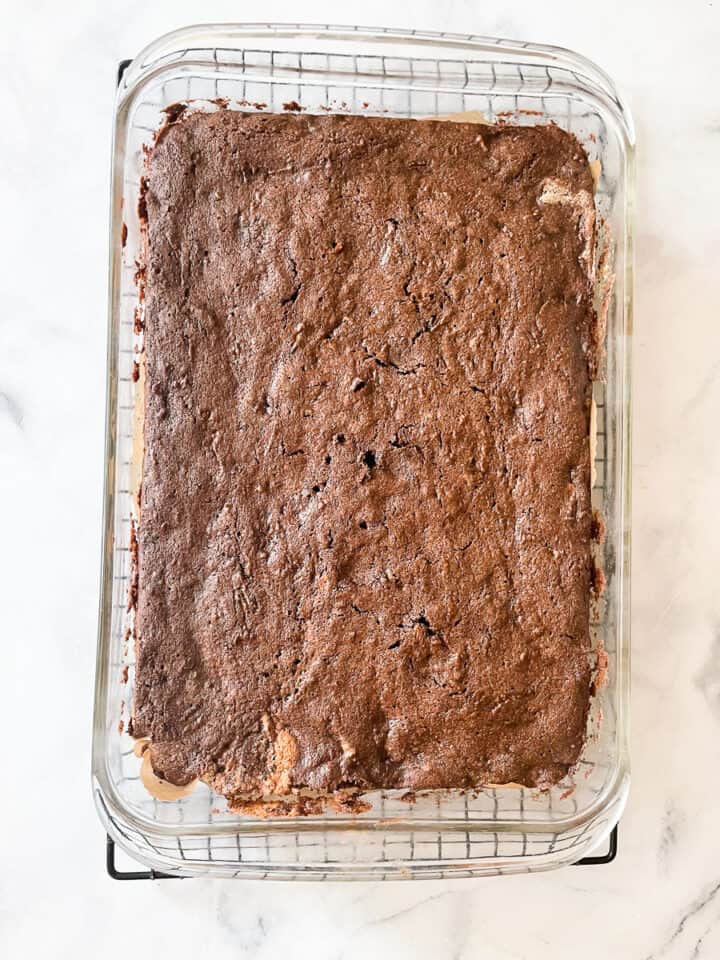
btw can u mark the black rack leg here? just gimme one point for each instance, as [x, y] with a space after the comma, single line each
[602, 858]
[131, 874]
[122, 67]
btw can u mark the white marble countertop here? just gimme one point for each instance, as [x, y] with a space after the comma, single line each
[661, 898]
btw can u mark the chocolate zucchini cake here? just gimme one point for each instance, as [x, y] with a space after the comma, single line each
[363, 545]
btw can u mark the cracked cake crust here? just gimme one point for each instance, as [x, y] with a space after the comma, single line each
[364, 546]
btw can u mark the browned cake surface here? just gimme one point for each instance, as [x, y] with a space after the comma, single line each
[364, 544]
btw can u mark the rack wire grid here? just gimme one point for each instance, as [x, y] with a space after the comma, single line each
[449, 846]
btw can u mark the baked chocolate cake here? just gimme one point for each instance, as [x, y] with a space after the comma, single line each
[363, 552]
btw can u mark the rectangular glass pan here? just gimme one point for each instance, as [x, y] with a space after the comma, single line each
[389, 73]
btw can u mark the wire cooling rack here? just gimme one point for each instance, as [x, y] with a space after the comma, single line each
[118, 873]
[472, 809]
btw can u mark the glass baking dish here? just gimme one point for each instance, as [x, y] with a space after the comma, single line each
[383, 72]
